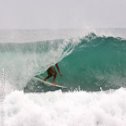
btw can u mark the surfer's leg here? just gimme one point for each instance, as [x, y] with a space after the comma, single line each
[54, 77]
[49, 74]
[47, 77]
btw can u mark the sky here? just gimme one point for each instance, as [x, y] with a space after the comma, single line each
[62, 14]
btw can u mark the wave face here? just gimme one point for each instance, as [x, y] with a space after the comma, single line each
[96, 62]
[91, 63]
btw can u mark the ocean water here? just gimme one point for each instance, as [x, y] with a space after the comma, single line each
[93, 67]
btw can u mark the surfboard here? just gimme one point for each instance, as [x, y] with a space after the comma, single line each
[49, 83]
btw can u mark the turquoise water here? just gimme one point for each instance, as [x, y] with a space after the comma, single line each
[94, 63]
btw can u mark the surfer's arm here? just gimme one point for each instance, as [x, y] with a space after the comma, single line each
[58, 69]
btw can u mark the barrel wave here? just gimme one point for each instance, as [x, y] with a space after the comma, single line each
[95, 63]
[91, 63]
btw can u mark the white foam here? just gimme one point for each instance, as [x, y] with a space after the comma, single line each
[65, 109]
[6, 88]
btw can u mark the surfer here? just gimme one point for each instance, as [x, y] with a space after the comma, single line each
[51, 71]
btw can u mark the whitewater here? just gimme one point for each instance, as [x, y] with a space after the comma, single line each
[93, 65]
